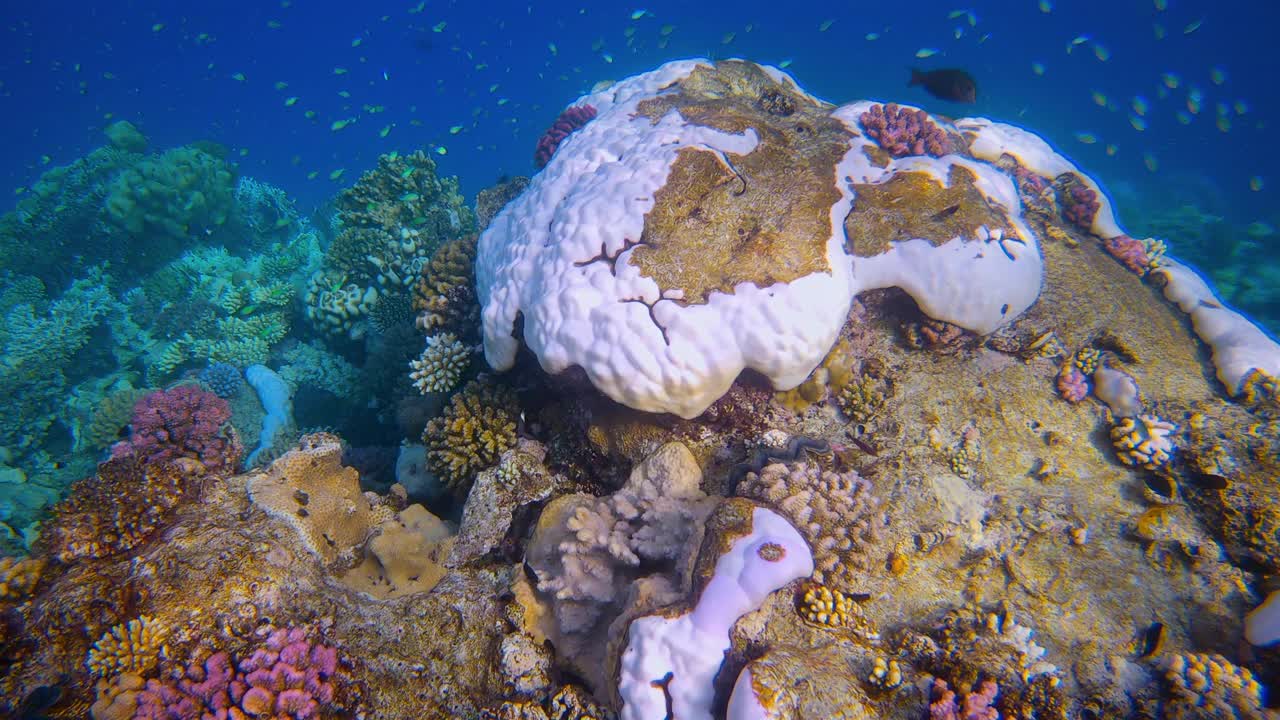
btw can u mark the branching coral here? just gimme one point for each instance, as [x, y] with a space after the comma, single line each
[441, 364]
[902, 131]
[444, 296]
[182, 422]
[477, 427]
[835, 512]
[1144, 441]
[132, 647]
[224, 379]
[18, 576]
[285, 677]
[1209, 686]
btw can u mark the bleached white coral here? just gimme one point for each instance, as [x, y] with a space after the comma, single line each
[441, 364]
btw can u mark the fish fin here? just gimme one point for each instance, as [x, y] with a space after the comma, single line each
[916, 78]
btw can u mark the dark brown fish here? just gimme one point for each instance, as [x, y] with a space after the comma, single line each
[949, 84]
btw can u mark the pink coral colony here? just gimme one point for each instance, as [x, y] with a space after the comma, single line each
[903, 131]
[1130, 252]
[570, 120]
[1080, 205]
[1073, 386]
[181, 422]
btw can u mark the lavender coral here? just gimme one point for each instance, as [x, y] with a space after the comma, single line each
[286, 677]
[902, 131]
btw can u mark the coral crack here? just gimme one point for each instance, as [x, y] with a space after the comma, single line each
[604, 255]
[652, 317]
[665, 685]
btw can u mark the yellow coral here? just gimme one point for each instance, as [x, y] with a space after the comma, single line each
[132, 647]
[885, 674]
[822, 605]
[477, 427]
[1087, 360]
[861, 399]
[1209, 686]
[1143, 441]
[19, 577]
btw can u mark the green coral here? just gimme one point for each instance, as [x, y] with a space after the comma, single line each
[310, 364]
[470, 436]
[170, 198]
[111, 416]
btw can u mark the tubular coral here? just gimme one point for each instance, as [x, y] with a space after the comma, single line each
[1130, 252]
[902, 131]
[477, 427]
[182, 422]
[569, 121]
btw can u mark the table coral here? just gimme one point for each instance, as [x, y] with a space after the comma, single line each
[903, 131]
[441, 364]
[836, 513]
[475, 429]
[182, 422]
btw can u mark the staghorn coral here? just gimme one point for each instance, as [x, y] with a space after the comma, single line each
[1202, 686]
[133, 647]
[835, 512]
[444, 296]
[182, 422]
[125, 503]
[18, 576]
[286, 676]
[1143, 441]
[441, 364]
[477, 427]
[569, 121]
[903, 131]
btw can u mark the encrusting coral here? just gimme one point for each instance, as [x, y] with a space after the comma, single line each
[1203, 686]
[471, 434]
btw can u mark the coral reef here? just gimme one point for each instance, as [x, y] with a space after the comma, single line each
[287, 677]
[902, 131]
[835, 512]
[475, 429]
[182, 422]
[122, 506]
[224, 379]
[569, 121]
[491, 200]
[132, 647]
[444, 296]
[441, 364]
[1144, 441]
[1209, 686]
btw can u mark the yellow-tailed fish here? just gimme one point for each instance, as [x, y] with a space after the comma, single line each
[728, 38]
[1101, 52]
[439, 27]
[1139, 105]
[339, 124]
[1086, 138]
[1192, 27]
[825, 26]
[1223, 122]
[1099, 99]
[455, 129]
[339, 71]
[1255, 183]
[1149, 159]
[1112, 150]
[926, 52]
[280, 85]
[442, 150]
[785, 63]
[1138, 122]
[1241, 107]
[1037, 68]
[873, 36]
[386, 130]
[157, 27]
[1158, 30]
[1171, 80]
[337, 173]
[238, 77]
[1046, 6]
[291, 101]
[1218, 75]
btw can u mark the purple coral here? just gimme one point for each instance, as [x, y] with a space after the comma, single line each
[902, 131]
[286, 678]
[1130, 252]
[569, 121]
[182, 422]
[976, 705]
[1073, 386]
[1080, 204]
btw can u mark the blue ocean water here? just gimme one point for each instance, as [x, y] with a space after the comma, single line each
[481, 81]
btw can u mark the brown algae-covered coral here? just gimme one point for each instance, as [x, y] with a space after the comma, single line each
[444, 295]
[475, 429]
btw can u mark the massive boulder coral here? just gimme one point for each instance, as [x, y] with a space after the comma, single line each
[699, 225]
